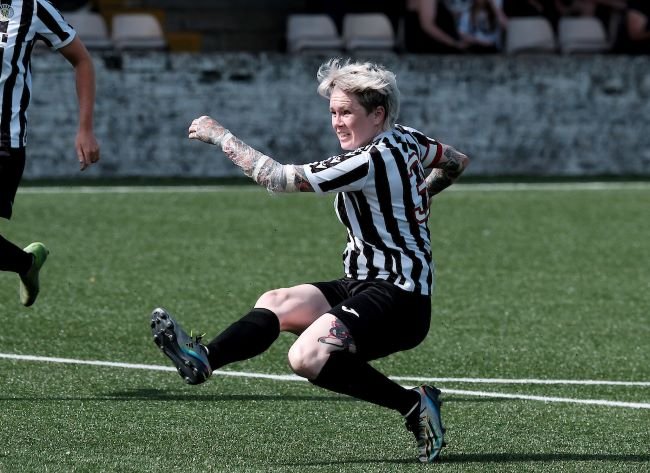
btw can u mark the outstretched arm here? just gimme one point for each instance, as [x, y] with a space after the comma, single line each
[451, 165]
[262, 169]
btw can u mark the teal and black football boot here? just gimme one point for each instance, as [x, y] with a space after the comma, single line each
[426, 425]
[187, 353]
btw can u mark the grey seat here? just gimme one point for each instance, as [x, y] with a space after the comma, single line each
[312, 32]
[368, 31]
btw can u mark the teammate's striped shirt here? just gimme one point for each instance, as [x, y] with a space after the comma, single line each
[22, 22]
[382, 200]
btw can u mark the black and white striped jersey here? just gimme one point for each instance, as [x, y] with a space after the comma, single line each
[382, 200]
[22, 22]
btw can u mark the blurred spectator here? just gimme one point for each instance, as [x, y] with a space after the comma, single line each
[482, 26]
[636, 27]
[431, 26]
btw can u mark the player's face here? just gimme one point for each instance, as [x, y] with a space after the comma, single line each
[353, 126]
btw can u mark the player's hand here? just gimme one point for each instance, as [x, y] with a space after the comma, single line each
[87, 149]
[208, 130]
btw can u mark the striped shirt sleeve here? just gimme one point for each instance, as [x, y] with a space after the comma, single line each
[343, 173]
[51, 27]
[430, 149]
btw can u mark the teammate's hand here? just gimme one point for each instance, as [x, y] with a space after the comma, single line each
[87, 149]
[208, 130]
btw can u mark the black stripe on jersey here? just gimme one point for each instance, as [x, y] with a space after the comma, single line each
[348, 178]
[385, 203]
[25, 23]
[40, 37]
[414, 228]
[5, 136]
[49, 21]
[24, 100]
[353, 266]
[368, 231]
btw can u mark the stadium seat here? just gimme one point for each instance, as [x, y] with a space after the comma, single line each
[312, 32]
[91, 28]
[582, 35]
[532, 34]
[137, 31]
[368, 31]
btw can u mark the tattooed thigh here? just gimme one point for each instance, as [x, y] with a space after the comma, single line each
[338, 336]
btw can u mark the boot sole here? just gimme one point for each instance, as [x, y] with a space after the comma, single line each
[188, 366]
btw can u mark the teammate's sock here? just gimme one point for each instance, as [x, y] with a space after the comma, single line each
[13, 258]
[249, 336]
[346, 373]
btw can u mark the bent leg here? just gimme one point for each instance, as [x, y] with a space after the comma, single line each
[325, 354]
[296, 307]
[288, 309]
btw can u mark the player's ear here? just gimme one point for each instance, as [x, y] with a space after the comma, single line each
[379, 114]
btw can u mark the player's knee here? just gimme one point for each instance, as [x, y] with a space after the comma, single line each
[273, 300]
[304, 361]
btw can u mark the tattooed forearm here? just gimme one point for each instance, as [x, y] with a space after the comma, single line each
[450, 168]
[266, 171]
[262, 169]
[454, 163]
[438, 181]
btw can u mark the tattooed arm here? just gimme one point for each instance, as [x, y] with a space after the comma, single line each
[451, 165]
[262, 169]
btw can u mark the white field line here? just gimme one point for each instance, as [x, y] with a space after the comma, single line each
[559, 186]
[596, 402]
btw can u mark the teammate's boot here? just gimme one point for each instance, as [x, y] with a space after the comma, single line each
[187, 353]
[426, 424]
[29, 284]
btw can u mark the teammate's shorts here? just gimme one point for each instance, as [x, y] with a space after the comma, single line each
[12, 164]
[381, 317]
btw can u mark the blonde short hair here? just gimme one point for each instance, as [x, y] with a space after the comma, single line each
[371, 83]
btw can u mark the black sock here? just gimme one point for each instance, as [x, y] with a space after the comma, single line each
[249, 336]
[346, 373]
[13, 258]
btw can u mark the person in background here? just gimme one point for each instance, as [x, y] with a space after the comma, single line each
[482, 26]
[21, 24]
[636, 27]
[431, 26]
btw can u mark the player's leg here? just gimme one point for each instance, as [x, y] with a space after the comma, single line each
[288, 309]
[325, 354]
[26, 263]
[333, 352]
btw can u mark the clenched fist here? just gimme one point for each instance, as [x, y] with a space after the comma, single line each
[208, 130]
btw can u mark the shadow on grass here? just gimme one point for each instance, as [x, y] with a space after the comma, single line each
[489, 458]
[165, 395]
[541, 457]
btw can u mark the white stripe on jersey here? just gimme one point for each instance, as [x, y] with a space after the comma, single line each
[382, 201]
[22, 22]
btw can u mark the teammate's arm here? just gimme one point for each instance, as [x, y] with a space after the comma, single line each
[86, 143]
[451, 165]
[262, 169]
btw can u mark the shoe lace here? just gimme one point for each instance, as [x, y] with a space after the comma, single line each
[196, 338]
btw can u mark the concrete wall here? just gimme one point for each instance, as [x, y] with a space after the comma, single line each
[535, 115]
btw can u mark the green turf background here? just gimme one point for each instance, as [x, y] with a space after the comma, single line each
[551, 284]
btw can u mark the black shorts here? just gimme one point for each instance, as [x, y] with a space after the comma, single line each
[381, 317]
[12, 164]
